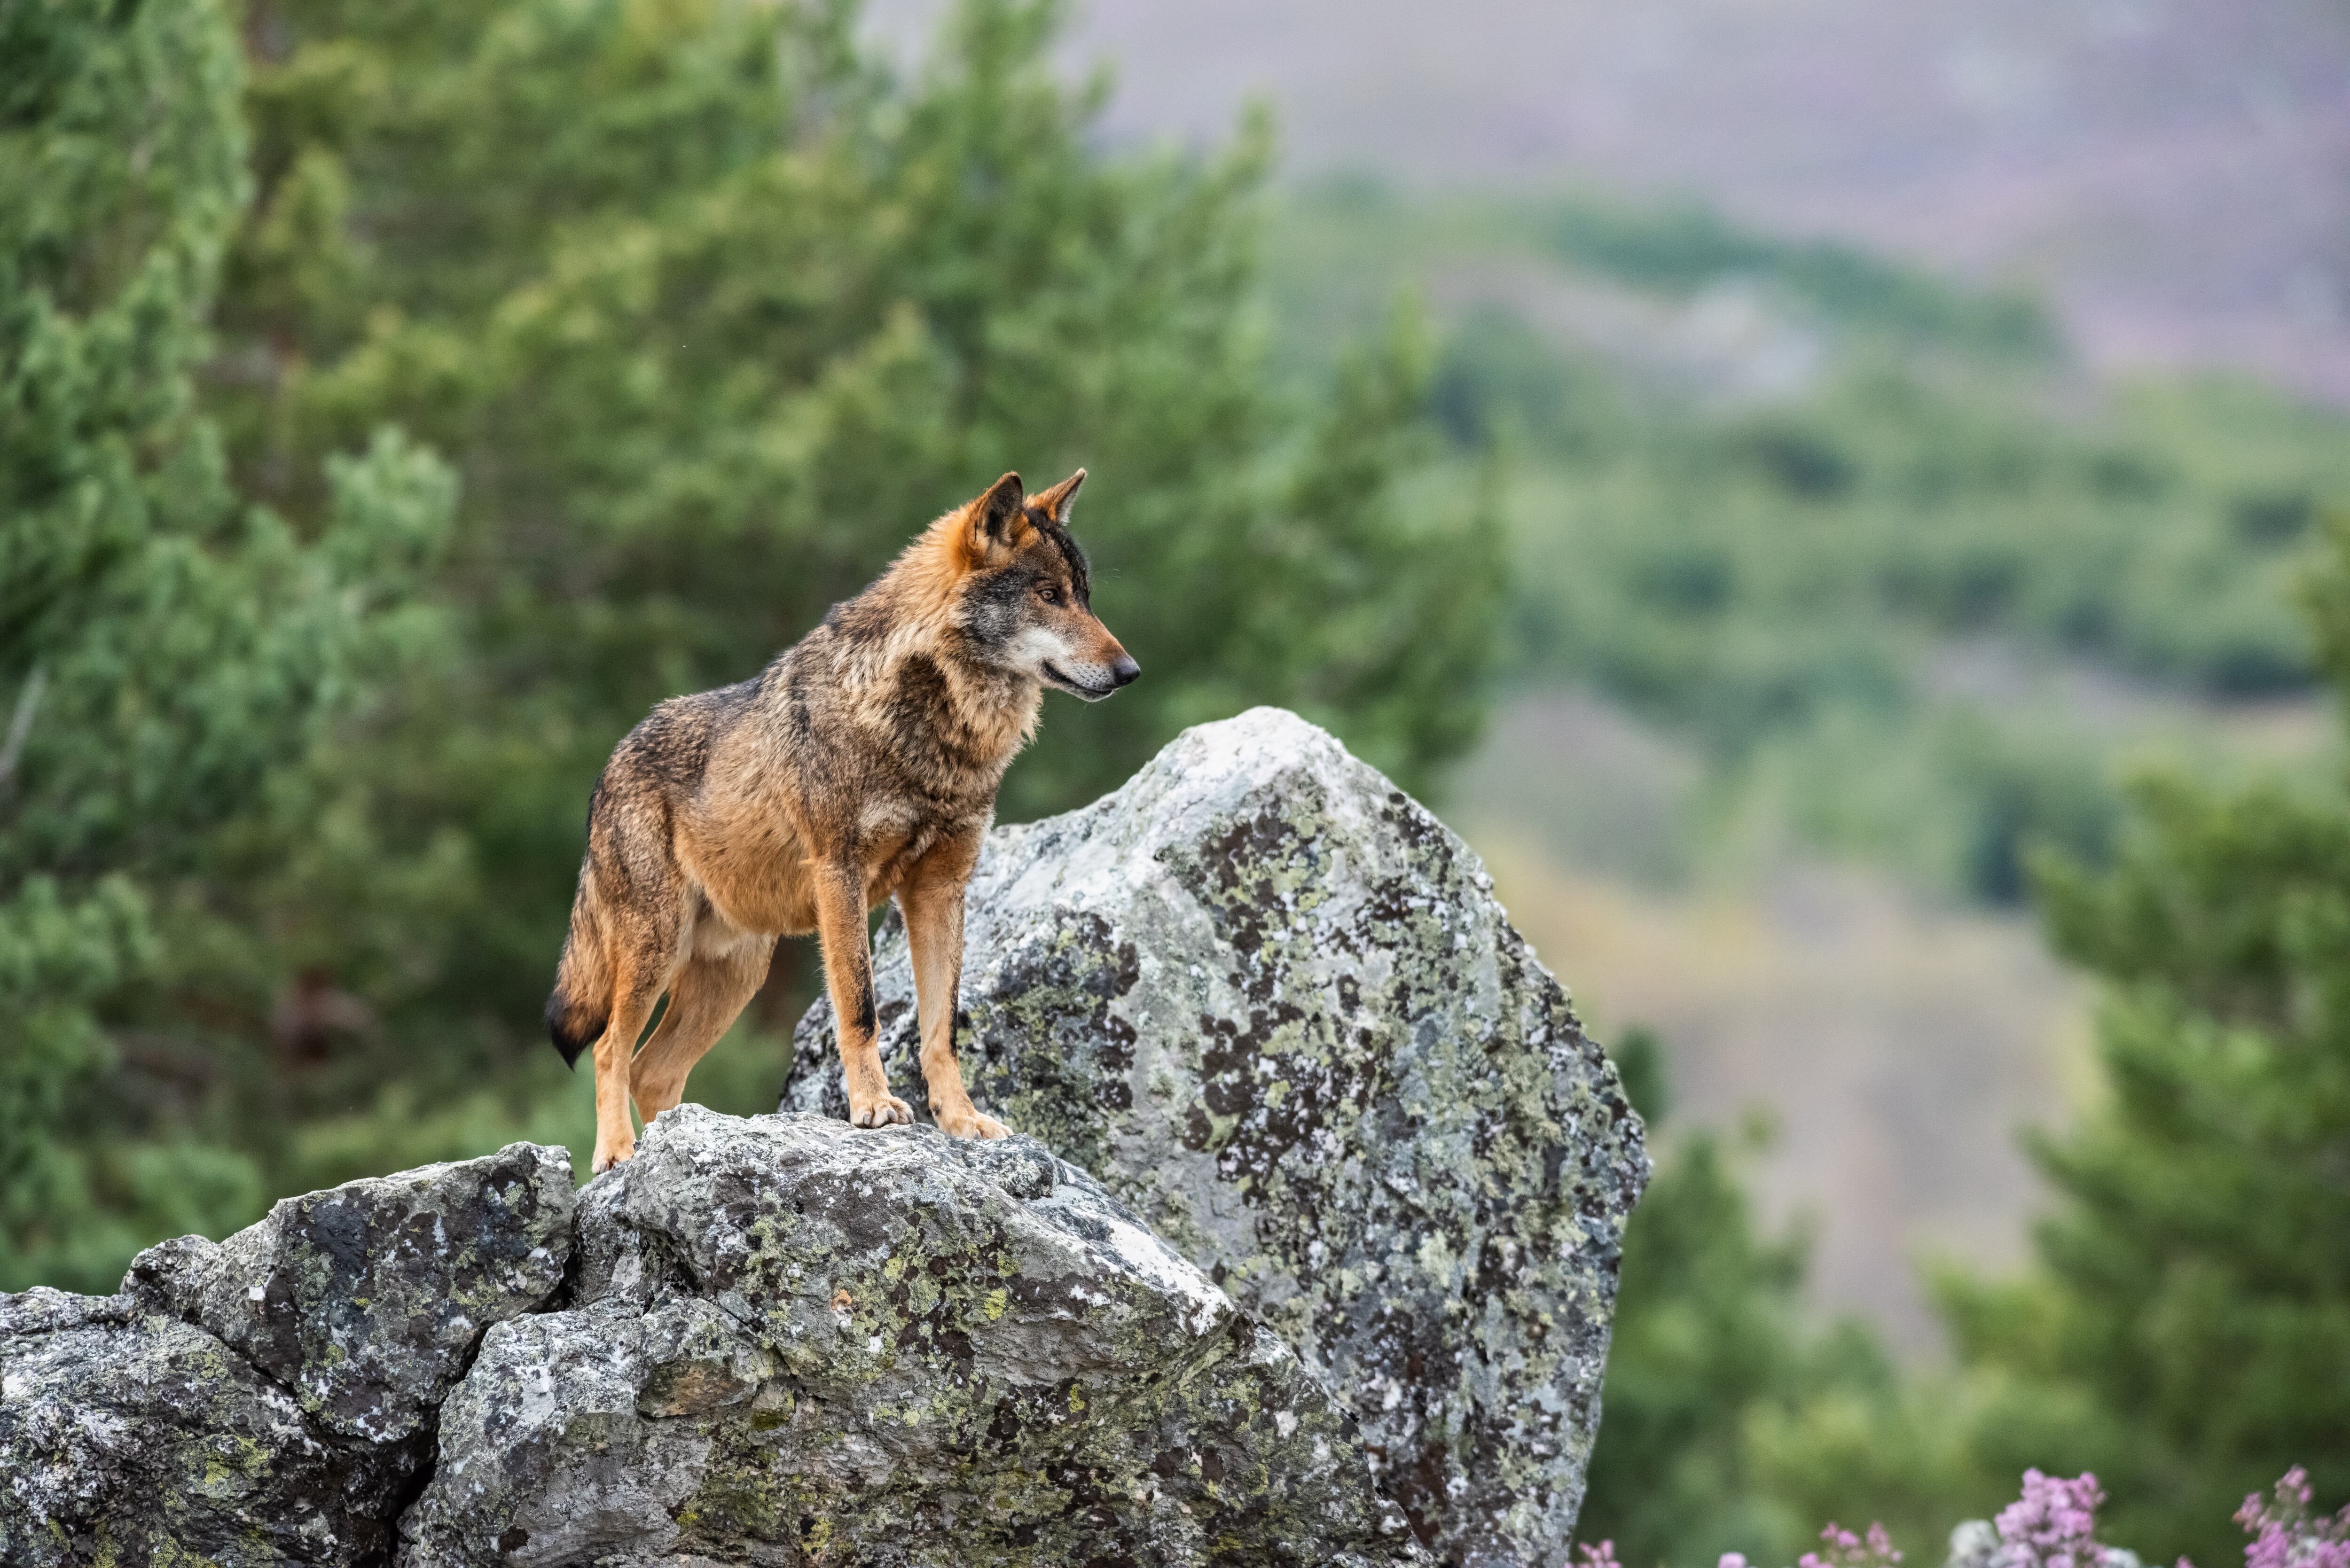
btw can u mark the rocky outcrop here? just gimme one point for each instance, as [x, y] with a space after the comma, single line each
[791, 1341]
[1257, 1003]
[270, 1399]
[1271, 1004]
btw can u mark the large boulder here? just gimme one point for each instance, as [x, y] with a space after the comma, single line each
[792, 1342]
[1271, 1004]
[269, 1399]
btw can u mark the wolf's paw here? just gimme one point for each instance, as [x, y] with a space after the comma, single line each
[605, 1159]
[881, 1110]
[969, 1121]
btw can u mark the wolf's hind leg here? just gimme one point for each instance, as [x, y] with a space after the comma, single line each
[932, 900]
[639, 986]
[708, 994]
[848, 979]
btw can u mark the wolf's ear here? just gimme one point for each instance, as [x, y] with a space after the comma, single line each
[1055, 502]
[996, 519]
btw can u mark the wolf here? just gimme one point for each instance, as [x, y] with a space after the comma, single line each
[861, 764]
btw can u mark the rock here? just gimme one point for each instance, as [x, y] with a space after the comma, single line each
[150, 1441]
[1271, 1004]
[268, 1399]
[789, 1341]
[365, 1300]
[1264, 999]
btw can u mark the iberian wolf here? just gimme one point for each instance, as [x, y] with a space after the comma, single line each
[861, 763]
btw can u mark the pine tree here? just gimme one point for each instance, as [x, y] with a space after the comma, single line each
[709, 311]
[1732, 1422]
[2188, 1336]
[168, 648]
[712, 312]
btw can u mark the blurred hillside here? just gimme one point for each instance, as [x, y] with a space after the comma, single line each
[2169, 173]
[1841, 590]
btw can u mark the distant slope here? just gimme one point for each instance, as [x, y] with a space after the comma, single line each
[2174, 174]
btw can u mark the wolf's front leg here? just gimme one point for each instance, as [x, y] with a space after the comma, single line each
[849, 978]
[932, 901]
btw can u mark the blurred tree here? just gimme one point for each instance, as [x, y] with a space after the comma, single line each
[1730, 1422]
[166, 646]
[2188, 1336]
[710, 312]
[713, 312]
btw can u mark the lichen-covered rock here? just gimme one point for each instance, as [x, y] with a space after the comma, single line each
[1273, 1005]
[788, 1341]
[267, 1400]
[364, 1300]
[150, 1442]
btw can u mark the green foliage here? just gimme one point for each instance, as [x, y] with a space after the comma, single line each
[1904, 573]
[1887, 511]
[1730, 1423]
[1707, 1332]
[1858, 535]
[713, 314]
[2188, 1334]
[1685, 248]
[709, 313]
[168, 648]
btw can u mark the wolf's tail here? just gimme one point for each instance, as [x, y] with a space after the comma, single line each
[582, 1000]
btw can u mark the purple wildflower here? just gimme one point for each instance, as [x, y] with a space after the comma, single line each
[2285, 1536]
[1600, 1556]
[2053, 1524]
[1846, 1550]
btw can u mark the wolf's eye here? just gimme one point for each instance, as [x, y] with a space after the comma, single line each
[1050, 596]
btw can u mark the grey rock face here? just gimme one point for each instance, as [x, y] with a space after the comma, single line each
[150, 1441]
[1271, 1004]
[789, 1341]
[265, 1400]
[364, 1300]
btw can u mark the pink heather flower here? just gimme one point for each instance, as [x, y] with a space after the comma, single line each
[1600, 1556]
[1732, 1560]
[1846, 1550]
[2053, 1524]
[2284, 1534]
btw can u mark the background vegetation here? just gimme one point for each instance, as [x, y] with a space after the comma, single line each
[439, 385]
[396, 399]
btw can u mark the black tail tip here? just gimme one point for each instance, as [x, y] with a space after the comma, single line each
[567, 1034]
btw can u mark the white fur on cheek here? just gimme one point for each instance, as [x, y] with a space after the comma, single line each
[1038, 646]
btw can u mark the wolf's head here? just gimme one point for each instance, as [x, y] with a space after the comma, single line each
[1025, 596]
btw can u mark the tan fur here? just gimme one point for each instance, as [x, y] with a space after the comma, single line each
[862, 764]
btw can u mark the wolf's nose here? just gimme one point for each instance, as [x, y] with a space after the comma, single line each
[1124, 671]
